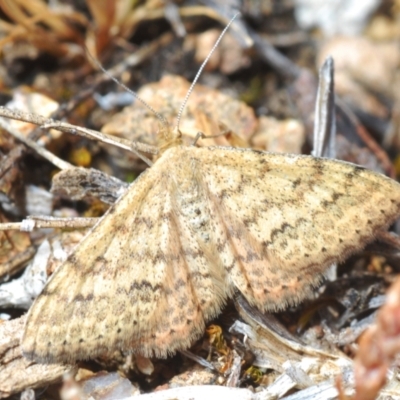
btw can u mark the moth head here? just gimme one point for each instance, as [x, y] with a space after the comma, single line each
[168, 138]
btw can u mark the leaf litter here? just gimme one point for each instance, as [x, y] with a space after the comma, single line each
[316, 330]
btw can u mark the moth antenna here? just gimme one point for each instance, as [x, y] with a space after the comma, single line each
[196, 78]
[134, 94]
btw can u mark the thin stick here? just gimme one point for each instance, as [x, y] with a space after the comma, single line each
[283, 65]
[389, 238]
[58, 162]
[36, 222]
[44, 122]
[198, 359]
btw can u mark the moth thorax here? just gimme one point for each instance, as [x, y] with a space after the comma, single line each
[192, 206]
[168, 138]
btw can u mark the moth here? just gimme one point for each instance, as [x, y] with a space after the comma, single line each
[196, 227]
[199, 225]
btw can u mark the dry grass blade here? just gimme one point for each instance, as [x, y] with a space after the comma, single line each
[30, 17]
[325, 124]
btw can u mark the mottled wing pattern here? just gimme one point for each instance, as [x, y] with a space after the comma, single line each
[130, 284]
[284, 219]
[198, 225]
